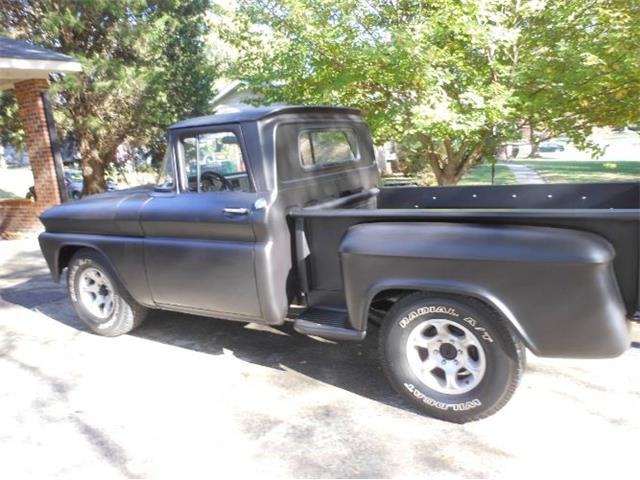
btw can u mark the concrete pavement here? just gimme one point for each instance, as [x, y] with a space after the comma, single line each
[187, 395]
[524, 175]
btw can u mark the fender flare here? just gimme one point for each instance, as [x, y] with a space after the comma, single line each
[52, 244]
[80, 245]
[453, 288]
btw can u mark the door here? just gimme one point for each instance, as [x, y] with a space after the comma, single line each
[199, 239]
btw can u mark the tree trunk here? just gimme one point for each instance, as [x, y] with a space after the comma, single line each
[92, 168]
[534, 142]
[455, 163]
[158, 150]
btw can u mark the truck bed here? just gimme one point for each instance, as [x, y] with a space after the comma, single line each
[609, 210]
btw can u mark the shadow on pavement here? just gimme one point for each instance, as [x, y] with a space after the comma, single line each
[351, 366]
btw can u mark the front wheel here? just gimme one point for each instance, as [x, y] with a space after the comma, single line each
[98, 298]
[453, 357]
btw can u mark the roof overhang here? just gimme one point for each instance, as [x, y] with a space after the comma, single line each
[13, 70]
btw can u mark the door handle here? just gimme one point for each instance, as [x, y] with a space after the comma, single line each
[236, 211]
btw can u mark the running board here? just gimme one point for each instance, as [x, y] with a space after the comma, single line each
[330, 324]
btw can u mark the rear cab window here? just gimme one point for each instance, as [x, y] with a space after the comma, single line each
[311, 150]
[324, 147]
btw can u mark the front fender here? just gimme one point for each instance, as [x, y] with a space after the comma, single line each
[555, 286]
[124, 254]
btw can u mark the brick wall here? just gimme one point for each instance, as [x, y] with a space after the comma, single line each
[21, 216]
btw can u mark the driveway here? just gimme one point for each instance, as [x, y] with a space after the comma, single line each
[186, 395]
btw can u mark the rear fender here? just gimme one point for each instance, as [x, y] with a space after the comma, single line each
[555, 286]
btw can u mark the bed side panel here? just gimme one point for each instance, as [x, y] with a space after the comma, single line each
[556, 286]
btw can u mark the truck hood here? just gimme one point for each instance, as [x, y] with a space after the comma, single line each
[110, 213]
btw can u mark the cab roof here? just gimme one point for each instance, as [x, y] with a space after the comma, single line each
[254, 114]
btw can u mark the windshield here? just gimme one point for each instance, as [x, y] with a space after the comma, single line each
[167, 175]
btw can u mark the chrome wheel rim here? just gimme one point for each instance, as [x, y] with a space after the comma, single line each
[446, 356]
[96, 293]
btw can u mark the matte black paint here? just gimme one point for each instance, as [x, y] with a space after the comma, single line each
[556, 286]
[560, 262]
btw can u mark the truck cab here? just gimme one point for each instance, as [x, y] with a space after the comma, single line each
[227, 239]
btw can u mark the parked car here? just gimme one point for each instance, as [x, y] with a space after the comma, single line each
[74, 182]
[551, 147]
[462, 280]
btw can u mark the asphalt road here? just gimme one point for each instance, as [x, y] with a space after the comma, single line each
[187, 395]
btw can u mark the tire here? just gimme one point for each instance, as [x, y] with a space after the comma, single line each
[424, 337]
[91, 282]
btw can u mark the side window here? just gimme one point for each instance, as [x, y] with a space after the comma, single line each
[213, 162]
[323, 147]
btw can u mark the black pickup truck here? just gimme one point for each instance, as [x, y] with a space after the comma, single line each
[273, 215]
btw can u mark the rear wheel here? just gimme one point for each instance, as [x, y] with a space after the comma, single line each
[98, 298]
[453, 357]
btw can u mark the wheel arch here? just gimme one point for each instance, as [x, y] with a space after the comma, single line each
[66, 252]
[458, 289]
[58, 253]
[64, 256]
[124, 256]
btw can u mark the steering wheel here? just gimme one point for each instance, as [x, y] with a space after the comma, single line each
[214, 182]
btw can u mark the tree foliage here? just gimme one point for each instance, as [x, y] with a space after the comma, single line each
[145, 65]
[578, 66]
[450, 80]
[10, 129]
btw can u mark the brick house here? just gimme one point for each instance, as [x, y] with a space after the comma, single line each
[25, 68]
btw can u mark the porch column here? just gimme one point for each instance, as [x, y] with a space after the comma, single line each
[34, 124]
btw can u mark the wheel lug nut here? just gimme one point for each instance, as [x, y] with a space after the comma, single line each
[460, 352]
[437, 352]
[443, 362]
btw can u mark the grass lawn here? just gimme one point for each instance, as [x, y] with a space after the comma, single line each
[481, 175]
[559, 171]
[552, 171]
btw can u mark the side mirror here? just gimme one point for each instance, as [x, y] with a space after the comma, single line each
[166, 187]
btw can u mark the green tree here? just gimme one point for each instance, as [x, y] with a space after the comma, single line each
[450, 80]
[144, 66]
[185, 67]
[578, 67]
[10, 129]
